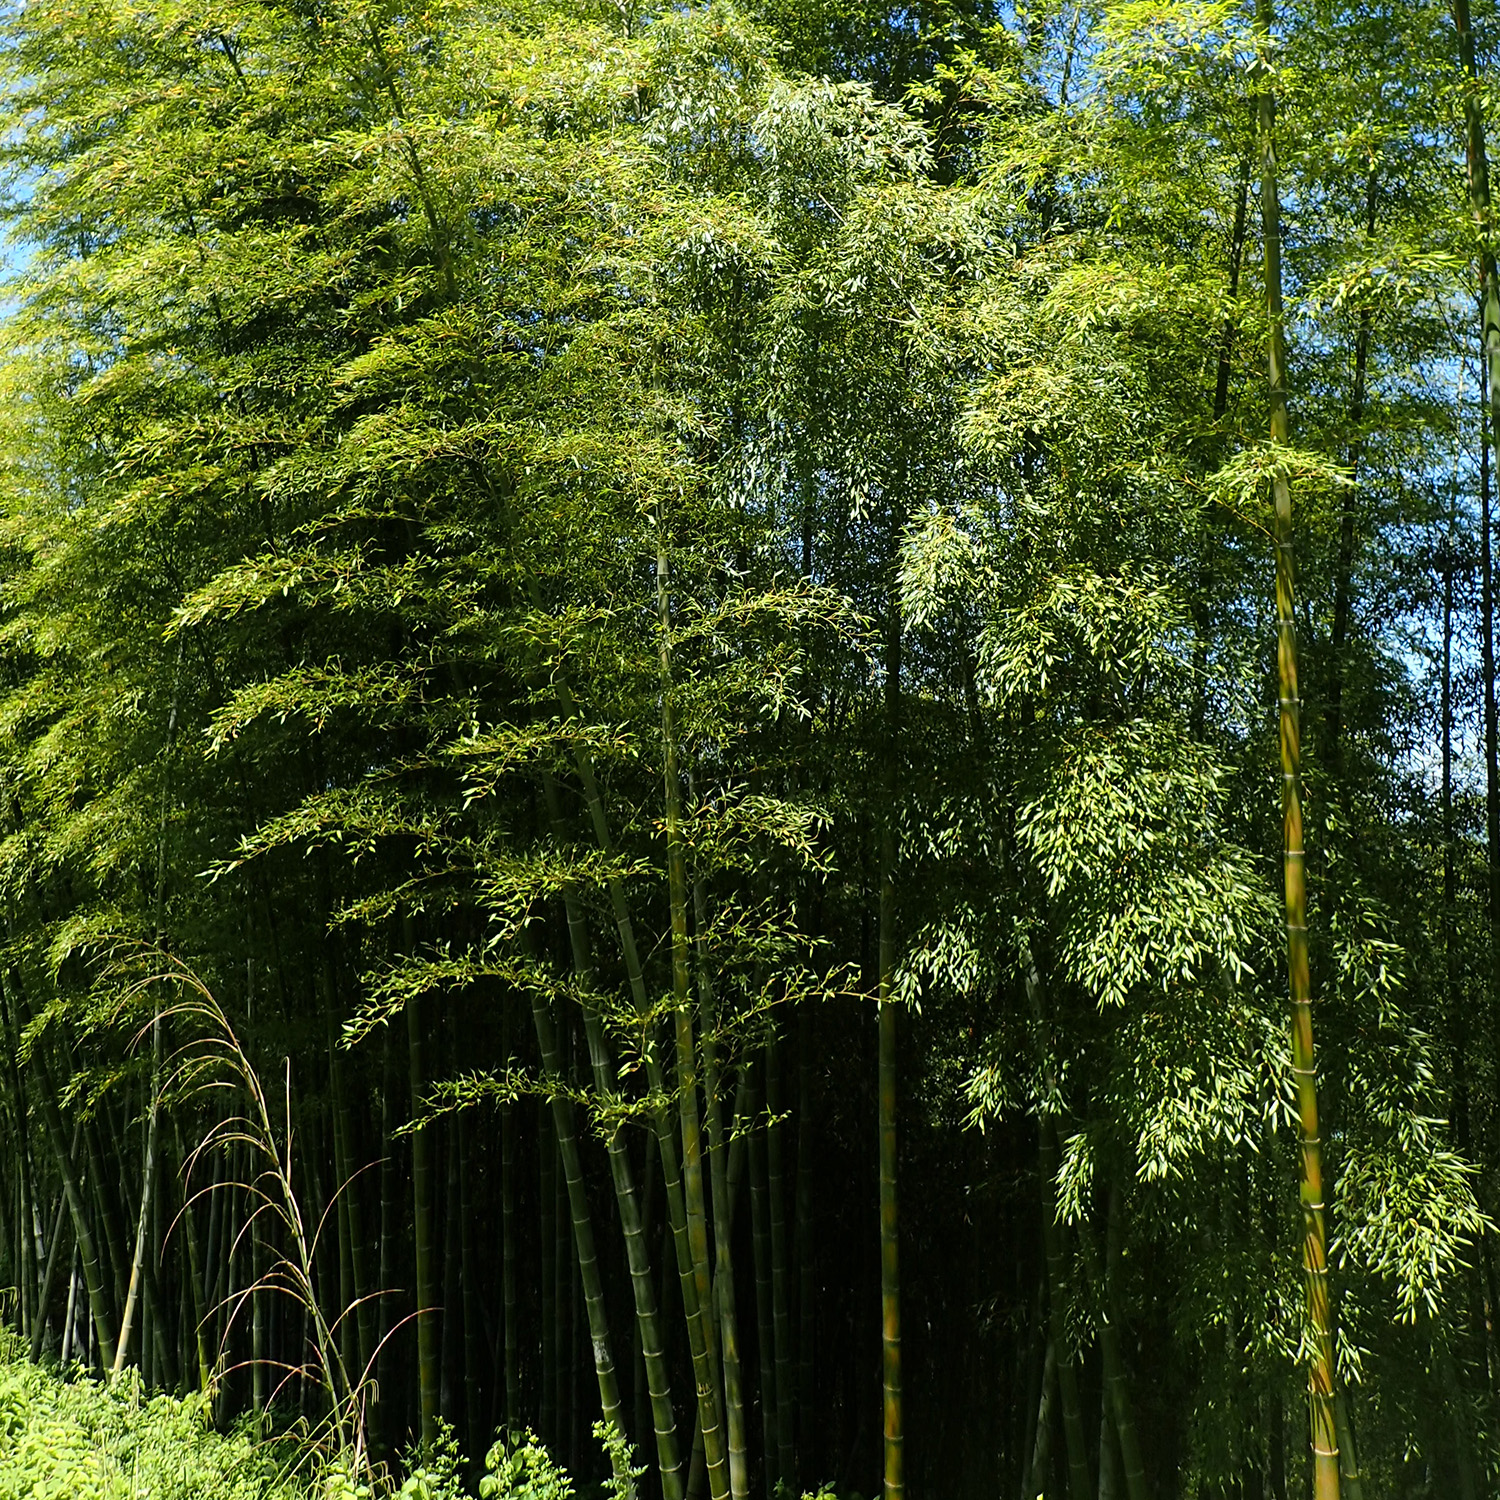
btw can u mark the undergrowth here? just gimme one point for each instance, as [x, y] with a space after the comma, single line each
[81, 1440]
[78, 1438]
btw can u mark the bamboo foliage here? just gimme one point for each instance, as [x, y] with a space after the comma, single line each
[678, 542]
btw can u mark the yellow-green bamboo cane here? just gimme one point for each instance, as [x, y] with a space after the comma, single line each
[566, 1130]
[694, 1200]
[718, 1162]
[698, 1317]
[638, 1259]
[1325, 1448]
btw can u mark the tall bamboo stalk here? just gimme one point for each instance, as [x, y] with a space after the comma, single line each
[695, 1315]
[1117, 1384]
[1477, 161]
[1447, 561]
[148, 1181]
[65, 1354]
[468, 1272]
[93, 1274]
[194, 1279]
[890, 1277]
[718, 1169]
[385, 1374]
[1487, 664]
[1040, 1458]
[760, 1234]
[508, 1249]
[452, 1324]
[583, 1229]
[429, 1375]
[111, 1211]
[1348, 1454]
[362, 1320]
[781, 1322]
[26, 1254]
[805, 1241]
[1304, 1068]
[1079, 1484]
[638, 1259]
[260, 1386]
[1343, 577]
[44, 1296]
[687, 1065]
[546, 1148]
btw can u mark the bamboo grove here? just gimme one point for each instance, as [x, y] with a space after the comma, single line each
[769, 730]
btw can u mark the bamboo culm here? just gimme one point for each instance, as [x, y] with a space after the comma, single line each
[1304, 1068]
[583, 1229]
[695, 1207]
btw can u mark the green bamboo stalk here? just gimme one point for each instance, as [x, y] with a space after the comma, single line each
[1325, 1446]
[567, 1342]
[224, 1304]
[451, 1356]
[1116, 1380]
[10, 1246]
[468, 1273]
[508, 1251]
[583, 1230]
[641, 1380]
[429, 1377]
[93, 1274]
[637, 1254]
[724, 1298]
[695, 1315]
[567, 1323]
[110, 1214]
[781, 1323]
[1348, 1454]
[805, 1240]
[385, 1373]
[344, 1329]
[1035, 1481]
[1079, 1484]
[194, 1278]
[890, 1277]
[44, 1297]
[21, 1269]
[1030, 1365]
[148, 1181]
[260, 1381]
[143, 1220]
[1477, 158]
[760, 1241]
[26, 1257]
[687, 1068]
[1109, 1455]
[65, 1354]
[349, 1178]
[890, 1283]
[547, 1225]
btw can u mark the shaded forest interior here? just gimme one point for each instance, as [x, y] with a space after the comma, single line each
[664, 672]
